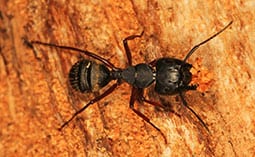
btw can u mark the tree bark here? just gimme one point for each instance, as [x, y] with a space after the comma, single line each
[36, 97]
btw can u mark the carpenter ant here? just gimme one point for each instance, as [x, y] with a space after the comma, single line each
[172, 76]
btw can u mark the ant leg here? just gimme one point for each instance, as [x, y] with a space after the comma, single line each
[136, 92]
[127, 50]
[156, 104]
[142, 98]
[186, 105]
[87, 53]
[96, 99]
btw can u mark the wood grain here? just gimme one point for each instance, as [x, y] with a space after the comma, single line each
[36, 97]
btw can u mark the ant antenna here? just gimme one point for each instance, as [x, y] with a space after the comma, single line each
[203, 42]
[197, 116]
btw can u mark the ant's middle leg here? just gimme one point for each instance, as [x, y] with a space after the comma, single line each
[135, 95]
[127, 50]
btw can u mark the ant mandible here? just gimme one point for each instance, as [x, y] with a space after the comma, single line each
[172, 77]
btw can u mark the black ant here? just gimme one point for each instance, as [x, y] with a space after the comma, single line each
[172, 76]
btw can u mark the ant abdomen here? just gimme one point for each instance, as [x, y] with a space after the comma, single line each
[88, 76]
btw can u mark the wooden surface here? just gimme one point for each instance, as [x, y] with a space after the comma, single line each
[36, 97]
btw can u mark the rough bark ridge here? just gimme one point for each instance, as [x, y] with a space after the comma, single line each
[36, 97]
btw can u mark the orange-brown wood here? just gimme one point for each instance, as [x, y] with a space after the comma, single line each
[36, 98]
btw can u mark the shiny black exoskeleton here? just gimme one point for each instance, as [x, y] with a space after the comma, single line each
[171, 76]
[88, 76]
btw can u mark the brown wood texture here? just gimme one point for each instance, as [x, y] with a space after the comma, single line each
[36, 98]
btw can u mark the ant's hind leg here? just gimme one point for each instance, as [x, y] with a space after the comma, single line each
[85, 52]
[96, 99]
